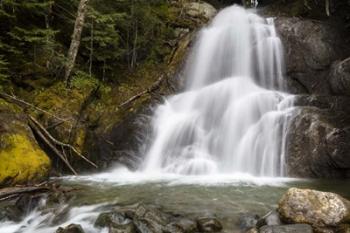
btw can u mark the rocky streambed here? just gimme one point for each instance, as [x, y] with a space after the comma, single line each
[177, 205]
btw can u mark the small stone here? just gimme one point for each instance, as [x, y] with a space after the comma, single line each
[110, 219]
[252, 230]
[126, 228]
[208, 224]
[270, 219]
[72, 228]
[182, 225]
[248, 221]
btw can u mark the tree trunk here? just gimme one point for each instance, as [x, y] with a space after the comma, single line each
[91, 47]
[74, 46]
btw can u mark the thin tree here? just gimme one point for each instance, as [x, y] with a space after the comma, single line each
[75, 43]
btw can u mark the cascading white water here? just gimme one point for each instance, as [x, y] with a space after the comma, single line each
[229, 119]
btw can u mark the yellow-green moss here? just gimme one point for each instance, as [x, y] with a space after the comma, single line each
[6, 106]
[21, 160]
[80, 139]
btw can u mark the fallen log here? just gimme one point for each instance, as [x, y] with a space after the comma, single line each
[154, 87]
[55, 141]
[47, 138]
[52, 147]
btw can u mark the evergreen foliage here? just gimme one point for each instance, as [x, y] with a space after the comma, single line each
[118, 36]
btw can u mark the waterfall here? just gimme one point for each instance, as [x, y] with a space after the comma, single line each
[232, 116]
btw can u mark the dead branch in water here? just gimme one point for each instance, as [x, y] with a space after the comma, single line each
[44, 187]
[9, 193]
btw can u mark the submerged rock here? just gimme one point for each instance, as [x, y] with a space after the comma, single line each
[248, 221]
[295, 228]
[72, 228]
[271, 219]
[319, 209]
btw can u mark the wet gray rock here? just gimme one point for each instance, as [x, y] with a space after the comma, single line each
[340, 77]
[271, 219]
[248, 221]
[16, 209]
[182, 225]
[310, 49]
[72, 228]
[125, 228]
[209, 224]
[319, 209]
[295, 228]
[142, 218]
[111, 219]
[318, 138]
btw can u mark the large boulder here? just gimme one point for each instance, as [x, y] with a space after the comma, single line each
[21, 159]
[340, 77]
[310, 49]
[319, 209]
[318, 136]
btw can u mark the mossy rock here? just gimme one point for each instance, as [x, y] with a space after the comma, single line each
[21, 159]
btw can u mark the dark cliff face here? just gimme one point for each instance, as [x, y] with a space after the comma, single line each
[317, 70]
[311, 47]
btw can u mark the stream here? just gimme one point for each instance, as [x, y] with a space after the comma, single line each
[225, 197]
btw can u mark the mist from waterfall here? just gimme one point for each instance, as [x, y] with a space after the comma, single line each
[230, 119]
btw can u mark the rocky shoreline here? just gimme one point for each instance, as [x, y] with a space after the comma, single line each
[298, 211]
[304, 210]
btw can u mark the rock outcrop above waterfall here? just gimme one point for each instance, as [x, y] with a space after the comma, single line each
[200, 9]
[311, 47]
[319, 209]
